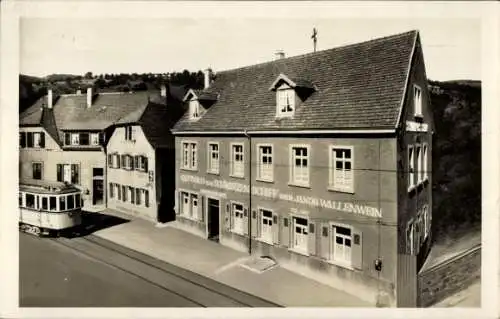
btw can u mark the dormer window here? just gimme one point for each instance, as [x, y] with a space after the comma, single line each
[285, 101]
[194, 109]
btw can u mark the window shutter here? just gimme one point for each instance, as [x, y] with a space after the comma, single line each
[23, 139]
[145, 163]
[42, 140]
[146, 198]
[118, 192]
[132, 195]
[118, 161]
[228, 217]
[75, 174]
[254, 224]
[123, 162]
[176, 202]
[285, 233]
[59, 169]
[357, 248]
[324, 241]
[30, 139]
[101, 138]
[245, 221]
[311, 237]
[136, 162]
[110, 160]
[67, 139]
[201, 208]
[276, 229]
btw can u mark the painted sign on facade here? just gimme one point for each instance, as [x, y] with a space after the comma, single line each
[274, 193]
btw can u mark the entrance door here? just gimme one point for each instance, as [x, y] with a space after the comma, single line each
[97, 186]
[213, 213]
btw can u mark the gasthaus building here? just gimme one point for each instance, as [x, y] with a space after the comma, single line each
[320, 161]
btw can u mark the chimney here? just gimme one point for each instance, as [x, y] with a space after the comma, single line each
[208, 73]
[279, 55]
[79, 92]
[163, 90]
[49, 98]
[89, 97]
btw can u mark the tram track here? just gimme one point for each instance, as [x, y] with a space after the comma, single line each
[194, 288]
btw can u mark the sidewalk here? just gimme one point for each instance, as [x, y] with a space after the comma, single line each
[166, 242]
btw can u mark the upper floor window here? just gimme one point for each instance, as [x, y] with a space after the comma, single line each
[418, 150]
[141, 163]
[411, 167]
[94, 139]
[237, 166]
[69, 173]
[265, 163]
[129, 134]
[341, 170]
[37, 170]
[213, 158]
[83, 138]
[189, 155]
[285, 101]
[32, 139]
[300, 166]
[425, 164]
[417, 100]
[194, 109]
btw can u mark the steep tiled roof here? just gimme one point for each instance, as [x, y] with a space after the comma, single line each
[358, 86]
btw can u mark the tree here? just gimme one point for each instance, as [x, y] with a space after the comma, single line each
[88, 75]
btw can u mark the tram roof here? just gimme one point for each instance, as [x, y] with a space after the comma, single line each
[46, 187]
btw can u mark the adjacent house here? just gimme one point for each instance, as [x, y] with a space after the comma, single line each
[63, 138]
[141, 159]
[321, 161]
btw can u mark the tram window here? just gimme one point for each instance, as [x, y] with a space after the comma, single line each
[20, 199]
[62, 202]
[44, 203]
[30, 200]
[78, 201]
[71, 201]
[53, 203]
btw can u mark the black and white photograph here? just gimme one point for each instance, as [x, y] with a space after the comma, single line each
[281, 156]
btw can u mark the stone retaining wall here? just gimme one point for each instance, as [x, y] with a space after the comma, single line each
[449, 277]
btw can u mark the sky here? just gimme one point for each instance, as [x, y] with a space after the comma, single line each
[452, 47]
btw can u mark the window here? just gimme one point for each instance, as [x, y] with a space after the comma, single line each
[75, 139]
[111, 190]
[124, 193]
[131, 194]
[62, 203]
[299, 240]
[418, 150]
[194, 205]
[118, 192]
[194, 109]
[189, 156]
[237, 165]
[53, 203]
[266, 230]
[32, 139]
[128, 133]
[69, 173]
[299, 167]
[341, 244]
[94, 139]
[84, 139]
[141, 163]
[189, 205]
[37, 170]
[237, 212]
[341, 174]
[417, 100]
[411, 167]
[67, 139]
[285, 101]
[71, 202]
[213, 158]
[265, 169]
[146, 198]
[425, 164]
[426, 221]
[45, 203]
[30, 201]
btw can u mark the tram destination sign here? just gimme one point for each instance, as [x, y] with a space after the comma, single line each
[274, 193]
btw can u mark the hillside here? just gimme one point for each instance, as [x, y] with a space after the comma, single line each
[456, 156]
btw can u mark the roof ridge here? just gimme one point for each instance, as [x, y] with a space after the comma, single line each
[375, 40]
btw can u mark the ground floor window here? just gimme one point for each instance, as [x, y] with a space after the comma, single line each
[237, 216]
[190, 205]
[130, 194]
[299, 233]
[266, 225]
[69, 173]
[341, 244]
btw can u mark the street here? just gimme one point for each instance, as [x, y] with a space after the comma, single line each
[85, 272]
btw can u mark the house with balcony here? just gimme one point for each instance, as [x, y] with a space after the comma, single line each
[321, 161]
[141, 158]
[63, 138]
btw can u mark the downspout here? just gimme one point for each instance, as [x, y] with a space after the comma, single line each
[249, 196]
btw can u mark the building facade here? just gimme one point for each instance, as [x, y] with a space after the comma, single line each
[320, 161]
[141, 164]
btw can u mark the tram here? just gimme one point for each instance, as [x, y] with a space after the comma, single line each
[47, 208]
